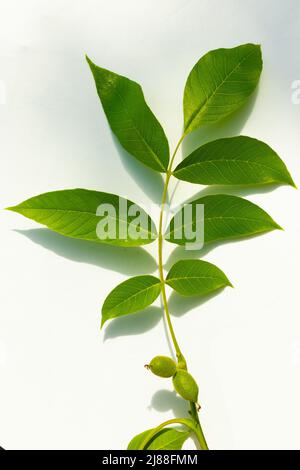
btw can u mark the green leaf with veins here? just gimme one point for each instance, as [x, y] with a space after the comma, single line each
[225, 217]
[131, 296]
[196, 277]
[165, 439]
[73, 213]
[131, 119]
[220, 83]
[235, 161]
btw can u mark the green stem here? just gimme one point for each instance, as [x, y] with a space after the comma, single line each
[199, 432]
[179, 355]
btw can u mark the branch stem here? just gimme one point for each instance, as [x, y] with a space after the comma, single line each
[180, 358]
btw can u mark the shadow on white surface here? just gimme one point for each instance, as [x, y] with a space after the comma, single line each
[130, 261]
[150, 181]
[179, 305]
[234, 190]
[134, 324]
[165, 400]
[181, 253]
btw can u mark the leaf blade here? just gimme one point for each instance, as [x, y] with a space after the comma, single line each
[196, 277]
[238, 160]
[73, 213]
[219, 83]
[131, 119]
[130, 296]
[165, 439]
[225, 218]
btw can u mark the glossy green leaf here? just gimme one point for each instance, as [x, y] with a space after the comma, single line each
[196, 277]
[137, 440]
[131, 119]
[225, 217]
[73, 213]
[235, 160]
[131, 296]
[165, 439]
[219, 84]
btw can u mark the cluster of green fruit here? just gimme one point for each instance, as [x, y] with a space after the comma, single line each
[184, 384]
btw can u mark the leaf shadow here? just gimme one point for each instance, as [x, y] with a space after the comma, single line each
[150, 181]
[227, 127]
[130, 261]
[134, 324]
[180, 252]
[234, 190]
[165, 400]
[179, 304]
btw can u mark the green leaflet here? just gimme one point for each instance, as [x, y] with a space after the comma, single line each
[131, 119]
[165, 439]
[130, 296]
[137, 440]
[225, 217]
[196, 277]
[73, 213]
[219, 84]
[235, 160]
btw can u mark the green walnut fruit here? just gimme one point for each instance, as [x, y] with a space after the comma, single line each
[185, 385]
[162, 366]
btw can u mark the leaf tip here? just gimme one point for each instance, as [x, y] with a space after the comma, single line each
[90, 62]
[293, 184]
[103, 320]
[278, 227]
[11, 208]
[288, 180]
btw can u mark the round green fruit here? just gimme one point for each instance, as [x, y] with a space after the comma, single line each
[162, 366]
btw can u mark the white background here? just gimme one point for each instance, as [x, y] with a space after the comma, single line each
[63, 383]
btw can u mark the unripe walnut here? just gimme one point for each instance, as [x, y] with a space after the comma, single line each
[162, 366]
[185, 385]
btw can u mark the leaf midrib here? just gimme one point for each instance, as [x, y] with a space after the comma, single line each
[219, 217]
[132, 296]
[217, 160]
[156, 158]
[84, 212]
[193, 277]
